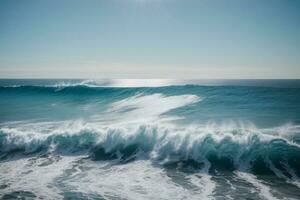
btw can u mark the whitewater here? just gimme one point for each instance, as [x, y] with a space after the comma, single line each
[150, 139]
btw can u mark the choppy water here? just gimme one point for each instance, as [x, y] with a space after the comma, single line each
[150, 139]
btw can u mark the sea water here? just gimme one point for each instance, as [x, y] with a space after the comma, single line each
[149, 139]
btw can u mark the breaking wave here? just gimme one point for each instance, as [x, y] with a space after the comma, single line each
[226, 147]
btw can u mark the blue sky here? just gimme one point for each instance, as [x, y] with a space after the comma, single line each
[150, 39]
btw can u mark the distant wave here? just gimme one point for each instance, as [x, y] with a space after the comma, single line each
[136, 83]
[81, 87]
[121, 83]
[62, 84]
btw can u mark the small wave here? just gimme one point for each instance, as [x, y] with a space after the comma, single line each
[118, 83]
[86, 83]
[62, 84]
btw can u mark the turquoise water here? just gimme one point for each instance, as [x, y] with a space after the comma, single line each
[150, 139]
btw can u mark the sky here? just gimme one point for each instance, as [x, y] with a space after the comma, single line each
[150, 39]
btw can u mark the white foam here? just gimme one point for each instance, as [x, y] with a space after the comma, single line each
[263, 190]
[204, 182]
[135, 180]
[143, 108]
[294, 180]
[28, 174]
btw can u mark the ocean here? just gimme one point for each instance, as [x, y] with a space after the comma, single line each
[149, 139]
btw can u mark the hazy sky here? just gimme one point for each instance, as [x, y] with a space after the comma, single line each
[150, 38]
